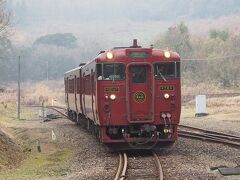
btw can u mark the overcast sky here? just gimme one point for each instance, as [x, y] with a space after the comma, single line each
[114, 20]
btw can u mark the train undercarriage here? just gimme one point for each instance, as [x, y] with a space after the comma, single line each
[134, 136]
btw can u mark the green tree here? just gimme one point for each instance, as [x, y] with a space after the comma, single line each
[177, 38]
[64, 40]
[4, 19]
[223, 35]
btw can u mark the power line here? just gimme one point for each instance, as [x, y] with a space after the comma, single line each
[8, 58]
[184, 59]
[207, 59]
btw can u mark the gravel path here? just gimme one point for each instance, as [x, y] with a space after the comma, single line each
[187, 159]
[91, 160]
[192, 159]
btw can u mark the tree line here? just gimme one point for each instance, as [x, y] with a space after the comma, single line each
[214, 58]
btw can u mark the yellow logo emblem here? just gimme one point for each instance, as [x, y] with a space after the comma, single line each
[139, 97]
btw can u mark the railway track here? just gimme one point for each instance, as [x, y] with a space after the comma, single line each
[184, 131]
[135, 166]
[59, 109]
[203, 134]
[131, 166]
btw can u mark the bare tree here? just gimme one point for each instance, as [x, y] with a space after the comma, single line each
[4, 19]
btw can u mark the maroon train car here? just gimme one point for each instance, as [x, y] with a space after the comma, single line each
[129, 97]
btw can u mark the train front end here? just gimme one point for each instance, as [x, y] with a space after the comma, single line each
[138, 97]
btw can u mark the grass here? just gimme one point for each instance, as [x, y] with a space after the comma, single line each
[216, 105]
[188, 89]
[46, 91]
[49, 164]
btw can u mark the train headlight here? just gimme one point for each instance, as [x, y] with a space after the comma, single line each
[163, 115]
[112, 96]
[166, 96]
[109, 55]
[166, 130]
[167, 54]
[169, 115]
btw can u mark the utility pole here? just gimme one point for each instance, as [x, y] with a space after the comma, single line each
[47, 71]
[19, 78]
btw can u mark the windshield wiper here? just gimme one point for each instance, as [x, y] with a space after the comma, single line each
[159, 72]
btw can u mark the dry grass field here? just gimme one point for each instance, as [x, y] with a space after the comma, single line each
[222, 106]
[219, 100]
[34, 93]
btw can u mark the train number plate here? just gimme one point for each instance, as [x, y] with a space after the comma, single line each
[166, 88]
[111, 89]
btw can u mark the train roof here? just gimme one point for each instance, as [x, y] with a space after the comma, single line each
[120, 53]
[70, 71]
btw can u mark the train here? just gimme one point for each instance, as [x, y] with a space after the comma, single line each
[128, 97]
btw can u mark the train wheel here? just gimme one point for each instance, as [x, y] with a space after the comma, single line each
[71, 115]
[99, 134]
[95, 131]
[78, 119]
[74, 117]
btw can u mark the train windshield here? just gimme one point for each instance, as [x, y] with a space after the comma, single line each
[167, 70]
[114, 71]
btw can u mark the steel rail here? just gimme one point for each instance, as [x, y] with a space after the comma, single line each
[54, 108]
[123, 164]
[122, 167]
[159, 166]
[207, 137]
[208, 131]
[123, 174]
[51, 107]
[225, 137]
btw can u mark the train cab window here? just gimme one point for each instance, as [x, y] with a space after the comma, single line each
[115, 71]
[139, 74]
[99, 71]
[167, 70]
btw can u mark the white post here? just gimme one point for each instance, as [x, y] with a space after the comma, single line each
[19, 79]
[201, 105]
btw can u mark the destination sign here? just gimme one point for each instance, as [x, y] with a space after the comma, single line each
[142, 55]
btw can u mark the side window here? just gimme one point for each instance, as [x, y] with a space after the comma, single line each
[71, 86]
[178, 69]
[78, 85]
[99, 72]
[66, 85]
[84, 84]
[92, 84]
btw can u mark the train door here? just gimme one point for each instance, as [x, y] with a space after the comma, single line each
[93, 95]
[75, 92]
[66, 92]
[140, 93]
[84, 94]
[81, 90]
